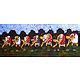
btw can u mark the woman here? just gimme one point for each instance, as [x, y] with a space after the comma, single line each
[17, 41]
[26, 41]
[60, 40]
[35, 41]
[7, 41]
[73, 39]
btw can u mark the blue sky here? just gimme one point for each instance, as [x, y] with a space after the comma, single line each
[28, 27]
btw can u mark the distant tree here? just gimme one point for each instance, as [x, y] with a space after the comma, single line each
[51, 32]
[32, 33]
[12, 33]
[0, 38]
[75, 31]
[4, 34]
[41, 32]
[79, 38]
[60, 31]
[22, 34]
[69, 31]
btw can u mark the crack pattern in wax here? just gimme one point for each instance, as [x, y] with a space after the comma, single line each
[28, 27]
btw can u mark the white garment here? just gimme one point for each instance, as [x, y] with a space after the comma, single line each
[18, 42]
[75, 40]
[44, 37]
[25, 38]
[61, 36]
[7, 38]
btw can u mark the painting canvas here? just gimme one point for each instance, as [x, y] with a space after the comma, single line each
[40, 40]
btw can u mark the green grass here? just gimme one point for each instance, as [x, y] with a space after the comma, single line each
[39, 52]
